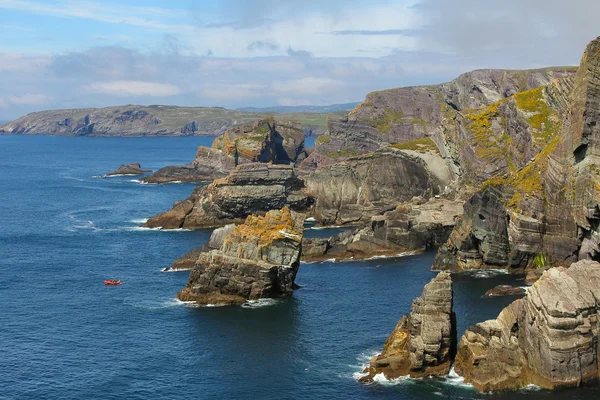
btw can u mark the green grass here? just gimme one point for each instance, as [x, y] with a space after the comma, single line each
[422, 145]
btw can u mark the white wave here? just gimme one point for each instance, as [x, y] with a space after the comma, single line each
[156, 304]
[319, 228]
[168, 269]
[74, 178]
[97, 176]
[484, 273]
[403, 254]
[139, 221]
[382, 380]
[118, 175]
[363, 361]
[146, 229]
[454, 379]
[260, 303]
[310, 219]
[531, 388]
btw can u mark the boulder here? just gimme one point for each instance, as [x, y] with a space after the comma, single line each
[129, 169]
[257, 259]
[423, 342]
[548, 338]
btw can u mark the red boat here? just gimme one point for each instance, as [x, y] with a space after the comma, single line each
[111, 282]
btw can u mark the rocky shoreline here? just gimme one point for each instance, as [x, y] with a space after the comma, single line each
[495, 170]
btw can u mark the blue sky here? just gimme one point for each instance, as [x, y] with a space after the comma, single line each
[233, 53]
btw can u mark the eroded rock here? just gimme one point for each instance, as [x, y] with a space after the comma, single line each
[257, 259]
[423, 342]
[548, 338]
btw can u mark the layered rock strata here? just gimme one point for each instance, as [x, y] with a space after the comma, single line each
[354, 190]
[188, 260]
[546, 213]
[423, 342]
[266, 140]
[248, 189]
[549, 338]
[415, 226]
[257, 259]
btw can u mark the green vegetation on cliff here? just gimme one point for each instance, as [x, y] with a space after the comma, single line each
[543, 119]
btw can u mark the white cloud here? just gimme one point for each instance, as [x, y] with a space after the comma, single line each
[135, 88]
[3, 103]
[30, 99]
[309, 86]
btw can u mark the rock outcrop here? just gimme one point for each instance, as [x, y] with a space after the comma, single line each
[548, 338]
[249, 189]
[505, 290]
[424, 341]
[129, 169]
[208, 165]
[547, 212]
[188, 260]
[410, 227]
[354, 190]
[266, 140]
[257, 259]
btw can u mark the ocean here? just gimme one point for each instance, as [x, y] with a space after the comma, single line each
[64, 335]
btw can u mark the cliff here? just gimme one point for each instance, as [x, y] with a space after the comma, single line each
[549, 338]
[424, 341]
[547, 212]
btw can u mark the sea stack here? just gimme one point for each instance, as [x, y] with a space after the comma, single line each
[257, 259]
[423, 342]
[549, 338]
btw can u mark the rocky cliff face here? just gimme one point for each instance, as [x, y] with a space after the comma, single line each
[423, 342]
[548, 338]
[415, 226]
[248, 189]
[547, 211]
[441, 112]
[257, 259]
[266, 140]
[354, 190]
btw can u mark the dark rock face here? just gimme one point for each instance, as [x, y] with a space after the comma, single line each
[547, 212]
[248, 189]
[410, 227]
[257, 259]
[354, 190]
[505, 290]
[423, 342]
[129, 169]
[548, 338]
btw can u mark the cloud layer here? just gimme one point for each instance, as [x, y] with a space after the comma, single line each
[234, 53]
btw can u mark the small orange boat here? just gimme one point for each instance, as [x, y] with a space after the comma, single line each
[111, 282]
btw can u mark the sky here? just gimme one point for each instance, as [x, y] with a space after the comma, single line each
[235, 53]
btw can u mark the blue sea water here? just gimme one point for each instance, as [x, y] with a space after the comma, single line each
[63, 334]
